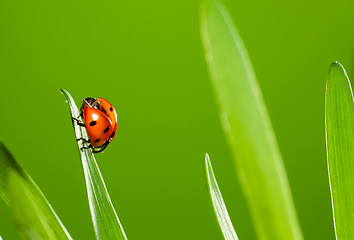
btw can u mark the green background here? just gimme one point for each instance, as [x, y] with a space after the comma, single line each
[146, 58]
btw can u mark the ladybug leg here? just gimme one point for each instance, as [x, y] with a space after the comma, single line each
[83, 139]
[95, 150]
[92, 148]
[89, 147]
[78, 122]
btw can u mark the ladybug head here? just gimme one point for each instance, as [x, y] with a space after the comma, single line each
[93, 103]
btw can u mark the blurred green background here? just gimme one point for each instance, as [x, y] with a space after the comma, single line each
[146, 58]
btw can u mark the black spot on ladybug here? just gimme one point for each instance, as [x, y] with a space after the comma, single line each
[97, 140]
[111, 109]
[106, 130]
[112, 134]
[93, 123]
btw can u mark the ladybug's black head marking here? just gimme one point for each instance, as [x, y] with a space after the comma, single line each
[93, 103]
[90, 100]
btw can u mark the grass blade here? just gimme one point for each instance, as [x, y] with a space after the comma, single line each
[34, 216]
[247, 127]
[104, 217]
[340, 149]
[218, 202]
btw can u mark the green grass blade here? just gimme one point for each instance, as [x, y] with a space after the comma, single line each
[218, 202]
[247, 127]
[34, 216]
[340, 149]
[104, 217]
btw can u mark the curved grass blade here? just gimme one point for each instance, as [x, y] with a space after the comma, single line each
[218, 203]
[104, 217]
[340, 149]
[34, 216]
[247, 127]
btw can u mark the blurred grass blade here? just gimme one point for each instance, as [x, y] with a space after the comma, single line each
[218, 203]
[104, 217]
[340, 149]
[247, 127]
[34, 216]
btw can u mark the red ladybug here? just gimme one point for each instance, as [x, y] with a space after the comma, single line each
[100, 121]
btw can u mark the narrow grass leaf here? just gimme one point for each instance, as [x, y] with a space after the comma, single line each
[340, 149]
[104, 216]
[247, 127]
[34, 216]
[218, 202]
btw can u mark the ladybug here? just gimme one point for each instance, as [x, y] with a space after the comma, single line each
[100, 121]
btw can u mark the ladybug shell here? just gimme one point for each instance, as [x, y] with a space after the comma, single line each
[99, 127]
[111, 113]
